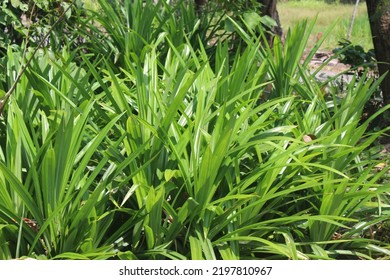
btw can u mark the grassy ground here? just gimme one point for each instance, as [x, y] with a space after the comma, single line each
[291, 12]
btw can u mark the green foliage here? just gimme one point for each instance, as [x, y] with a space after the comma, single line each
[360, 62]
[29, 21]
[354, 55]
[185, 151]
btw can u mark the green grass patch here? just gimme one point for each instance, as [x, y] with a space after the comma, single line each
[292, 12]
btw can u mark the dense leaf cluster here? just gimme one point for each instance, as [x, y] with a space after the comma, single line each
[156, 137]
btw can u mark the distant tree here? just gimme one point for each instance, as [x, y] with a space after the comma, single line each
[379, 16]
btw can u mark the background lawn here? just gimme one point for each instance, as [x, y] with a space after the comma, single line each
[291, 12]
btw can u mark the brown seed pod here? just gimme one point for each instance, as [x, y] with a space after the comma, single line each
[308, 138]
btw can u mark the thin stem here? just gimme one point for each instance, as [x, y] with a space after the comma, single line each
[352, 19]
[23, 69]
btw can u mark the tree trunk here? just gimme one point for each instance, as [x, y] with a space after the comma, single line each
[269, 9]
[379, 16]
[199, 6]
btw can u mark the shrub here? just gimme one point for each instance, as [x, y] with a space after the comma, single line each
[187, 154]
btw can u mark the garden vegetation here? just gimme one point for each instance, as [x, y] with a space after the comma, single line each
[142, 131]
